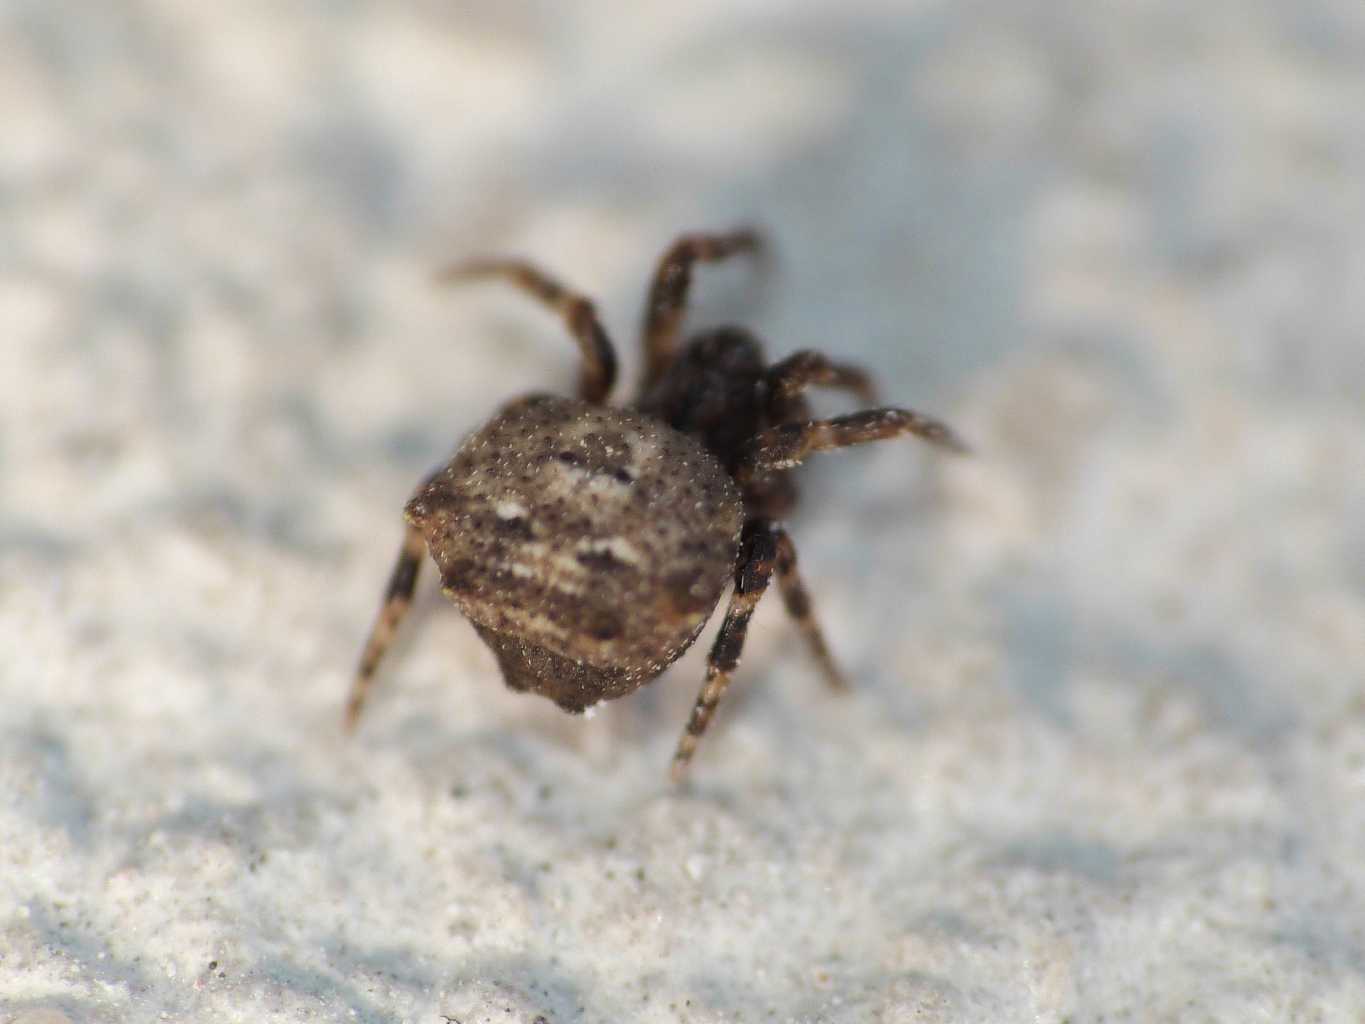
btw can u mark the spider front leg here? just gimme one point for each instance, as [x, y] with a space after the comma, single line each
[578, 313]
[801, 370]
[787, 444]
[758, 553]
[668, 294]
[396, 601]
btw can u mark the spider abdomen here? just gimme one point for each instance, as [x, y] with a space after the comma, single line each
[587, 544]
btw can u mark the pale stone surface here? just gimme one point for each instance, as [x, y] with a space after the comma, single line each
[1106, 754]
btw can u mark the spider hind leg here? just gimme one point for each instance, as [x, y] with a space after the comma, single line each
[397, 599]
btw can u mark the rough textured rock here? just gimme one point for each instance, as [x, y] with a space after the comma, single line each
[1103, 754]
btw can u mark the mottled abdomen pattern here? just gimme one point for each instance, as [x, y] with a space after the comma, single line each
[588, 545]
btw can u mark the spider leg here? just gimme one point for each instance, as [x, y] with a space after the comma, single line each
[796, 599]
[396, 601]
[578, 313]
[668, 293]
[789, 443]
[801, 370]
[758, 553]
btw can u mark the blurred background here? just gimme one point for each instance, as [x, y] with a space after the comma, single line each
[1106, 752]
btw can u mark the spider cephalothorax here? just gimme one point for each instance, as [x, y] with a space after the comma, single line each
[588, 544]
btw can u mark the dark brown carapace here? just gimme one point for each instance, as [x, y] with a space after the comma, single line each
[588, 544]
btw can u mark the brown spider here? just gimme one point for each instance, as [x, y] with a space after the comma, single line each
[589, 544]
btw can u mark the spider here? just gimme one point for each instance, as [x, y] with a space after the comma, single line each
[588, 544]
